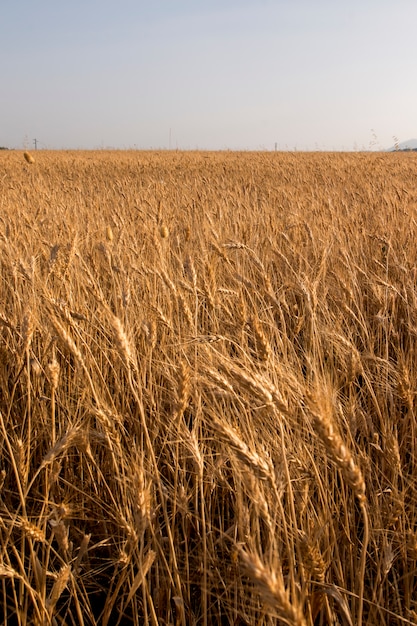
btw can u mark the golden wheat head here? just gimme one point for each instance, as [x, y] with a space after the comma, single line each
[28, 157]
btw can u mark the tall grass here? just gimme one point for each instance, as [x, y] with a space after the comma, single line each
[207, 389]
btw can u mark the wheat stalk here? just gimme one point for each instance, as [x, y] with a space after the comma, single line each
[323, 423]
[270, 586]
[261, 466]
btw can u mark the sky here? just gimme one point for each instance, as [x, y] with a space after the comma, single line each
[208, 74]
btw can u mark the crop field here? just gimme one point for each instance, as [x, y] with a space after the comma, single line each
[208, 378]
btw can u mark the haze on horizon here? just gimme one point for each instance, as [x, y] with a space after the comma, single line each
[224, 74]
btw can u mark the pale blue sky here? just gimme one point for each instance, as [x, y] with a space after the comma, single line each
[305, 74]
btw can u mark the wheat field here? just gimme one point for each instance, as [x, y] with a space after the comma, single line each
[208, 376]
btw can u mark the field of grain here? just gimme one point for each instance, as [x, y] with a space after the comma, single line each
[208, 376]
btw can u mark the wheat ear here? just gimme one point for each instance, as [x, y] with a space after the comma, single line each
[271, 589]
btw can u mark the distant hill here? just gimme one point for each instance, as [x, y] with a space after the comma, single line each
[410, 144]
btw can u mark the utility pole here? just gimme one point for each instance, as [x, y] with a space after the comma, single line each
[35, 141]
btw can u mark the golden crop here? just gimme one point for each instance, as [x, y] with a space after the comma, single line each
[208, 374]
[28, 157]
